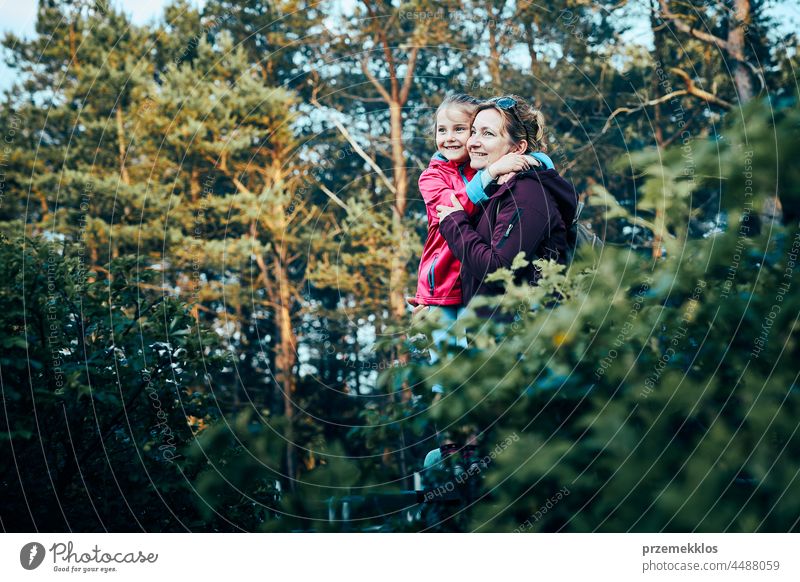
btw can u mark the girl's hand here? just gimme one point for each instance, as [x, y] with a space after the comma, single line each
[412, 301]
[448, 210]
[510, 164]
[417, 309]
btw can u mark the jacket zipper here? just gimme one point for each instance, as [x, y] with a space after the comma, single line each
[432, 274]
[461, 173]
[514, 220]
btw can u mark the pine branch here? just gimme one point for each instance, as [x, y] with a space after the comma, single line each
[650, 103]
[685, 27]
[409, 80]
[383, 40]
[331, 195]
[372, 79]
[691, 89]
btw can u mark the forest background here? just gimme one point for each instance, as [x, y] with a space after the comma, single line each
[210, 223]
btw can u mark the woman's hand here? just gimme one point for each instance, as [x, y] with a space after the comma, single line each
[510, 164]
[448, 210]
[505, 178]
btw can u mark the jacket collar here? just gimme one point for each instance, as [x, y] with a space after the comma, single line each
[502, 189]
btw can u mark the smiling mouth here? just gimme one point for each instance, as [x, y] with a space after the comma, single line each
[479, 154]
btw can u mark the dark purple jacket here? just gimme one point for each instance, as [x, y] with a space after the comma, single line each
[528, 213]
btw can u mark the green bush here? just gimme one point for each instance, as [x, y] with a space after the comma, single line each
[103, 388]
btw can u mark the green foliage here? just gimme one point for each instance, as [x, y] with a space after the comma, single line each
[104, 384]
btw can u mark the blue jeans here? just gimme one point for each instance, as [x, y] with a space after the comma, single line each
[450, 313]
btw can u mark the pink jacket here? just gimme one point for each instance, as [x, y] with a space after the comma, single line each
[439, 281]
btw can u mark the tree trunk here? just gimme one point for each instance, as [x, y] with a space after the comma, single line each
[285, 359]
[395, 97]
[73, 51]
[123, 171]
[398, 158]
[494, 58]
[737, 29]
[733, 45]
[658, 56]
[531, 49]
[194, 184]
[280, 293]
[43, 203]
[397, 277]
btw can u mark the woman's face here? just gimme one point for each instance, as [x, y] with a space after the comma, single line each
[487, 143]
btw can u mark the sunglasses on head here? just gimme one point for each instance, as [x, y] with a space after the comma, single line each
[504, 102]
[510, 104]
[448, 449]
[451, 448]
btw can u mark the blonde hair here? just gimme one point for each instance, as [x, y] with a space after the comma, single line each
[466, 103]
[520, 122]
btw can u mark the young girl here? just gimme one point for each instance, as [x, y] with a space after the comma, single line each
[449, 173]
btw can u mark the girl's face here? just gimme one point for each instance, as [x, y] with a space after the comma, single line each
[452, 133]
[487, 143]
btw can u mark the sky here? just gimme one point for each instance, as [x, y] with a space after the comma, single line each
[19, 17]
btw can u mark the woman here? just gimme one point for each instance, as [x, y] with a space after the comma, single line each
[530, 212]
